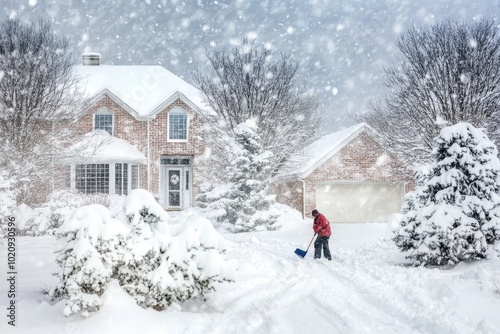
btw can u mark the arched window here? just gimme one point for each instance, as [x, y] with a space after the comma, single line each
[177, 125]
[103, 120]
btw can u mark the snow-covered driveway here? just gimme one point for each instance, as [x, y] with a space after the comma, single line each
[364, 289]
[360, 291]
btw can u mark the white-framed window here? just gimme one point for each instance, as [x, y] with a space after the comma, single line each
[134, 177]
[126, 178]
[121, 179]
[177, 125]
[117, 178]
[92, 178]
[103, 120]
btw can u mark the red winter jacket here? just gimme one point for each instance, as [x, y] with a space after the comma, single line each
[321, 226]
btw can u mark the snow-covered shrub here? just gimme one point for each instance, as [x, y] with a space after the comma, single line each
[454, 212]
[52, 214]
[204, 247]
[90, 244]
[241, 205]
[148, 239]
[155, 265]
[160, 268]
[7, 201]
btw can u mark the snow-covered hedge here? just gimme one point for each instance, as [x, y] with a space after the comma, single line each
[47, 218]
[454, 213]
[157, 263]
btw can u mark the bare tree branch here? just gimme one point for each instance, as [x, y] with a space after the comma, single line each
[39, 103]
[252, 82]
[446, 74]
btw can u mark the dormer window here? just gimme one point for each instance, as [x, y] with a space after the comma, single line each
[177, 125]
[103, 120]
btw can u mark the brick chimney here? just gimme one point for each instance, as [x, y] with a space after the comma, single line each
[91, 58]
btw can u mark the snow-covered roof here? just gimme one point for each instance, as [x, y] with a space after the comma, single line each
[142, 90]
[100, 147]
[304, 162]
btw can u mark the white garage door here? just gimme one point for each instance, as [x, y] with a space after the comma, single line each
[358, 202]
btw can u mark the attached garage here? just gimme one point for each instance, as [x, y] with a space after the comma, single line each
[347, 175]
[359, 202]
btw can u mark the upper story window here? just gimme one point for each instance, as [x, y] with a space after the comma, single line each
[103, 120]
[177, 125]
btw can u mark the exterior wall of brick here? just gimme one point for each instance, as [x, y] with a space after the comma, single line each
[125, 127]
[161, 146]
[290, 193]
[135, 132]
[361, 160]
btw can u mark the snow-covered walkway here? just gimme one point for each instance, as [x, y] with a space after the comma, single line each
[364, 289]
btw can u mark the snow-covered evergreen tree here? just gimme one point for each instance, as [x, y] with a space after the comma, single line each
[89, 244]
[148, 240]
[242, 205]
[160, 269]
[454, 212]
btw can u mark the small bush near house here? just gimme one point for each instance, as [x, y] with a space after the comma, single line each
[454, 213]
[47, 218]
[157, 263]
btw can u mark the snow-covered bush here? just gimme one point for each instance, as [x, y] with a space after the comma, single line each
[90, 244]
[241, 205]
[160, 268]
[454, 212]
[52, 214]
[155, 265]
[7, 201]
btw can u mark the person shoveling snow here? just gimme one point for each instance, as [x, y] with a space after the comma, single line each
[321, 228]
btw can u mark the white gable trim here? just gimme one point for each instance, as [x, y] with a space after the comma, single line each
[301, 174]
[171, 99]
[106, 92]
[334, 151]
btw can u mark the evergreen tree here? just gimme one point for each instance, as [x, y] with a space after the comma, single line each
[454, 212]
[89, 244]
[242, 205]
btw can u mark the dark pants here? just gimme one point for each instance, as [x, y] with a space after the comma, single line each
[322, 242]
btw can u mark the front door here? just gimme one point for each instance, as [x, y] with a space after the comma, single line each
[175, 184]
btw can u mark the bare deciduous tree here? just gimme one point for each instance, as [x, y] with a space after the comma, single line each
[254, 82]
[446, 74]
[39, 103]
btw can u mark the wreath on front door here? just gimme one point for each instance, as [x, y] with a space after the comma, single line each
[174, 179]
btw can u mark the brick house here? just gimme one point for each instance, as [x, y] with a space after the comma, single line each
[347, 175]
[145, 121]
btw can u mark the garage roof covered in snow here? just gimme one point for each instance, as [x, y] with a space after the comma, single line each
[303, 163]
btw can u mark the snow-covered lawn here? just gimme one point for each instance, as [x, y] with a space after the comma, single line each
[364, 289]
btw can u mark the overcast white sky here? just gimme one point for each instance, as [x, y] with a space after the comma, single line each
[342, 45]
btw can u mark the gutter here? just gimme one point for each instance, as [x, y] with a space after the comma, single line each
[149, 159]
[303, 198]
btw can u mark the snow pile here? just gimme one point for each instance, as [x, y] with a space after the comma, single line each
[454, 212]
[156, 266]
[242, 206]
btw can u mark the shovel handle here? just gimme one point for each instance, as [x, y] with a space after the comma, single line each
[311, 242]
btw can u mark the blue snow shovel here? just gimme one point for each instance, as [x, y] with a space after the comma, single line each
[300, 253]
